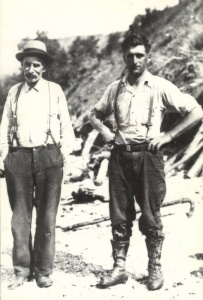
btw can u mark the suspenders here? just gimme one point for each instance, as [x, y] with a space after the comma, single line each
[149, 123]
[48, 132]
[120, 85]
[151, 102]
[15, 141]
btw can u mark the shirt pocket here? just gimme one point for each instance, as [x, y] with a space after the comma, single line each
[123, 109]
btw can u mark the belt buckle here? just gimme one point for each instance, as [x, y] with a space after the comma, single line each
[128, 148]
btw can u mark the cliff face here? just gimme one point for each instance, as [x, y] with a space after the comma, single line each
[177, 39]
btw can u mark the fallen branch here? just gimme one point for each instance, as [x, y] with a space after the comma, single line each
[182, 201]
[185, 158]
[103, 219]
[197, 168]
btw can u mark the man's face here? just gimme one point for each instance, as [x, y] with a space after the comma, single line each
[33, 69]
[136, 60]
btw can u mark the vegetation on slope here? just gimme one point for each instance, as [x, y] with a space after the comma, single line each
[85, 66]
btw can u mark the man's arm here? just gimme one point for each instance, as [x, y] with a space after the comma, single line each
[190, 120]
[6, 125]
[96, 122]
[67, 136]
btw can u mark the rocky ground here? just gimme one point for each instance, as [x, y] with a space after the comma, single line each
[84, 254]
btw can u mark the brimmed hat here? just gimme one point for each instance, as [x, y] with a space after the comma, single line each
[35, 48]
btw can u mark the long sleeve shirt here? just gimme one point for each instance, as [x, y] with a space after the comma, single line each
[133, 107]
[38, 108]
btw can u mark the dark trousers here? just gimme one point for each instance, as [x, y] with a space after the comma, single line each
[34, 178]
[136, 176]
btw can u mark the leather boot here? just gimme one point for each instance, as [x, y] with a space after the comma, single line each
[118, 274]
[155, 279]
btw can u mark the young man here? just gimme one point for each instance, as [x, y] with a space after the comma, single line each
[36, 139]
[135, 106]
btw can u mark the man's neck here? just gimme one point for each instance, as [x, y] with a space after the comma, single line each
[32, 84]
[134, 80]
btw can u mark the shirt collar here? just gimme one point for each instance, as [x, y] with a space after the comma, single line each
[147, 79]
[38, 87]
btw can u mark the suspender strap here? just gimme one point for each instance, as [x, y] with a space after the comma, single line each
[14, 137]
[48, 132]
[151, 102]
[120, 84]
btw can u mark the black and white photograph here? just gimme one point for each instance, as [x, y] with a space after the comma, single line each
[101, 149]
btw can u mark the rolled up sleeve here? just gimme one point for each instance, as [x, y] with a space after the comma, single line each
[176, 101]
[103, 106]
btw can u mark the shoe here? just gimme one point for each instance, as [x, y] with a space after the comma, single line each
[18, 281]
[43, 280]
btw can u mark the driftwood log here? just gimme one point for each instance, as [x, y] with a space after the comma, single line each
[191, 153]
[100, 220]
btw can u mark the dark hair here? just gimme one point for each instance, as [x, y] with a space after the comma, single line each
[134, 39]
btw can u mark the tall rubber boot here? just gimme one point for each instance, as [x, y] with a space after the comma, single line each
[118, 274]
[154, 248]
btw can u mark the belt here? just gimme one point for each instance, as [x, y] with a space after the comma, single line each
[132, 148]
[48, 146]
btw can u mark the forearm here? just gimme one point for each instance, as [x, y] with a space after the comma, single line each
[67, 136]
[4, 143]
[191, 119]
[98, 125]
[67, 139]
[6, 125]
[188, 122]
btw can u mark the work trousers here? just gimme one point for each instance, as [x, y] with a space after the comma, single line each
[34, 177]
[136, 176]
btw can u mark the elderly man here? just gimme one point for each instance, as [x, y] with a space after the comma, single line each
[135, 106]
[36, 139]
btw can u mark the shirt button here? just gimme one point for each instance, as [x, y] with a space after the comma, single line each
[34, 149]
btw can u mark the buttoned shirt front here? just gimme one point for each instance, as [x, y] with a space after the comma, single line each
[133, 107]
[38, 108]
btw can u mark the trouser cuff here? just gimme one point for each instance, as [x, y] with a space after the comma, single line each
[43, 272]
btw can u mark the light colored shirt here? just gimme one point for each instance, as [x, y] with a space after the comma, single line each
[133, 107]
[33, 109]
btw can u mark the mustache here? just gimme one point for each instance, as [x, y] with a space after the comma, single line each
[30, 75]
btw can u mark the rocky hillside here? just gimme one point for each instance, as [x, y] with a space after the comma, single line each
[177, 38]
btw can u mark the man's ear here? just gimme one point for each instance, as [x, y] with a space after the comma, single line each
[44, 67]
[43, 62]
[149, 56]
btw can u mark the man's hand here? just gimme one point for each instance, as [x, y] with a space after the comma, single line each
[107, 135]
[2, 173]
[157, 143]
[2, 170]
